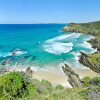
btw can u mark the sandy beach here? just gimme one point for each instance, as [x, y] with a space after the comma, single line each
[57, 79]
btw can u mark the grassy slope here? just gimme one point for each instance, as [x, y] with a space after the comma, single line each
[18, 86]
[94, 58]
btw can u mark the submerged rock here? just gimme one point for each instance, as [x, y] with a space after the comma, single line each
[27, 56]
[4, 62]
[73, 78]
[33, 58]
[13, 53]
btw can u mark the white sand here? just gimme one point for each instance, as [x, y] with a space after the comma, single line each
[56, 79]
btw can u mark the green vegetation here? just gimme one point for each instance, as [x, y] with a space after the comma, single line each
[94, 59]
[94, 82]
[19, 86]
[86, 81]
[13, 85]
[92, 28]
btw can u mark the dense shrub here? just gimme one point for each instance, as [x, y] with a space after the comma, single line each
[86, 81]
[13, 85]
[95, 81]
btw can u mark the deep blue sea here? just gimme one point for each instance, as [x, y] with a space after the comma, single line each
[40, 45]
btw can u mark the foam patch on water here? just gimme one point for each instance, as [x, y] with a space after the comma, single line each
[76, 55]
[58, 48]
[64, 37]
[16, 52]
[56, 45]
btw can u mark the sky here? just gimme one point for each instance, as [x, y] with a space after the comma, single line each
[48, 11]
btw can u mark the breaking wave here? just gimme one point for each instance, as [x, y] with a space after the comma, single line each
[64, 37]
[58, 46]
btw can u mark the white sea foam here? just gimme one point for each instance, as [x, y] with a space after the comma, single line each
[76, 55]
[89, 38]
[56, 46]
[17, 52]
[87, 45]
[20, 67]
[63, 37]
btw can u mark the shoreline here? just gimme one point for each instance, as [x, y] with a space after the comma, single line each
[57, 79]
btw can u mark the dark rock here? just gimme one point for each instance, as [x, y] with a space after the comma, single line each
[29, 71]
[84, 60]
[13, 53]
[27, 56]
[73, 78]
[4, 62]
[95, 43]
[3, 70]
[33, 58]
[94, 95]
[95, 81]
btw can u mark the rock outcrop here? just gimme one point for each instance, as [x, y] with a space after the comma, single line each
[3, 70]
[91, 61]
[94, 95]
[73, 78]
[29, 71]
[95, 43]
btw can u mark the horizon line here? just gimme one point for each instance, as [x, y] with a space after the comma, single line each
[33, 23]
[53, 22]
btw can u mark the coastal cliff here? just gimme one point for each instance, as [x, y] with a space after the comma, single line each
[91, 61]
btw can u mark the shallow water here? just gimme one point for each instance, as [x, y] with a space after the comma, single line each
[41, 46]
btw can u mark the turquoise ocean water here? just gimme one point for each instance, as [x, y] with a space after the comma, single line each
[40, 45]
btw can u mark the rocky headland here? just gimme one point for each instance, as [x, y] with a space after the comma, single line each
[92, 61]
